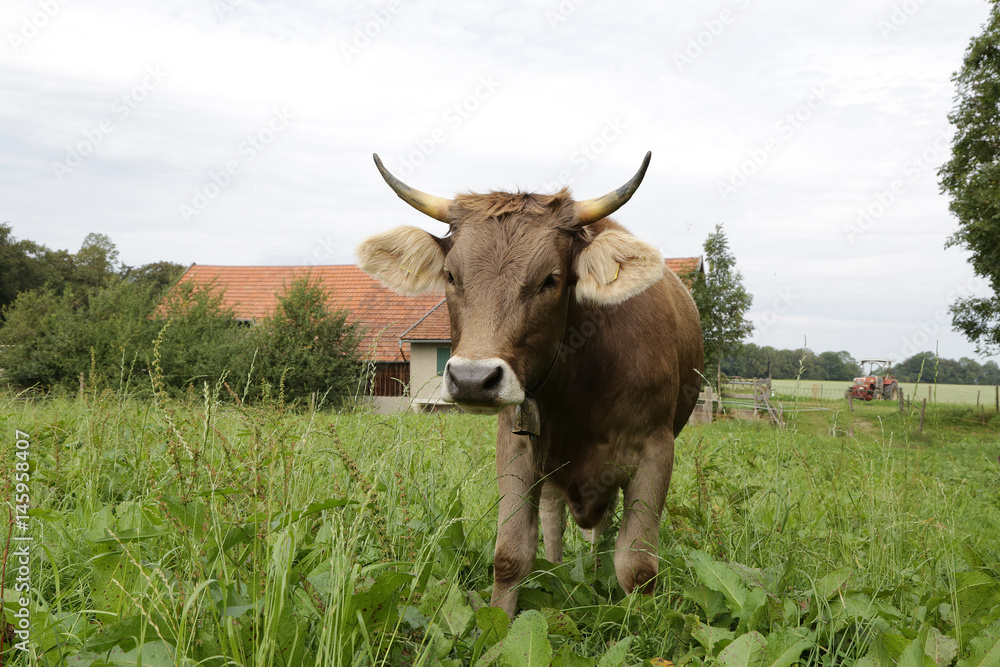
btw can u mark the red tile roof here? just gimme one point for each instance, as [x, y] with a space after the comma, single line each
[390, 320]
[435, 325]
[251, 292]
[682, 265]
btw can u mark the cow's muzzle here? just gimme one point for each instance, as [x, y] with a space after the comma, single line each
[482, 386]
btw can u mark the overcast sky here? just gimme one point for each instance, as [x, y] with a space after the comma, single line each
[241, 132]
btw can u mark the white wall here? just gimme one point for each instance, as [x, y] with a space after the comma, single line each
[425, 383]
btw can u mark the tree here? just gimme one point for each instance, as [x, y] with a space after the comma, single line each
[160, 274]
[972, 179]
[25, 265]
[96, 262]
[50, 338]
[200, 337]
[836, 366]
[306, 346]
[721, 299]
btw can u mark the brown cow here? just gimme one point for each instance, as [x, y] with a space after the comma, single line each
[572, 330]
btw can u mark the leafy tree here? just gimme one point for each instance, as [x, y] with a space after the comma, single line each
[160, 274]
[836, 366]
[990, 374]
[972, 179]
[51, 338]
[306, 346]
[201, 339]
[37, 337]
[25, 265]
[721, 299]
[108, 334]
[96, 262]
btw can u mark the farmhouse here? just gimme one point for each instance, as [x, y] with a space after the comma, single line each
[407, 338]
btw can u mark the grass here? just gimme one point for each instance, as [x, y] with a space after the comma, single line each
[966, 394]
[192, 532]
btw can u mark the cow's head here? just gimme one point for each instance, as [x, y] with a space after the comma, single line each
[509, 266]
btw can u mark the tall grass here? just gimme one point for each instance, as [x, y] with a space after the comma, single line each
[189, 531]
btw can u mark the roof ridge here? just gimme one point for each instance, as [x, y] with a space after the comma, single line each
[424, 317]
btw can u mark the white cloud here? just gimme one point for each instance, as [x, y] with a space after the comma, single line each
[387, 75]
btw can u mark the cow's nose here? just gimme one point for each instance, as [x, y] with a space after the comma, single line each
[481, 382]
[474, 382]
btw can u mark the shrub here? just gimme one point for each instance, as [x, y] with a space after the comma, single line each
[306, 346]
[51, 338]
[108, 333]
[35, 341]
[203, 341]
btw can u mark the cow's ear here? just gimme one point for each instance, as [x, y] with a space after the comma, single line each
[407, 259]
[616, 266]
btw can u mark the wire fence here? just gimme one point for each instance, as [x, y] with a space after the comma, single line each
[777, 400]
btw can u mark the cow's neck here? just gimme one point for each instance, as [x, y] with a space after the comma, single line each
[527, 417]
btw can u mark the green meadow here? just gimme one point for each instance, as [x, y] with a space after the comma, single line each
[190, 531]
[958, 394]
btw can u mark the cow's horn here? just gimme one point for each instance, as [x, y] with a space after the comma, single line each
[436, 207]
[593, 210]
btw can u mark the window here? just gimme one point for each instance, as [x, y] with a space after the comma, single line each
[444, 353]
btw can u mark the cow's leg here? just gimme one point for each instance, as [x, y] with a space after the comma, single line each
[638, 539]
[517, 523]
[553, 513]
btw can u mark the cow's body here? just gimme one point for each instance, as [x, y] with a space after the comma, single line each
[578, 315]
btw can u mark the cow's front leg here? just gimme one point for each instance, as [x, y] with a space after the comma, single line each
[636, 559]
[553, 511]
[517, 523]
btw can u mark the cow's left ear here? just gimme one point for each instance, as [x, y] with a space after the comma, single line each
[407, 259]
[616, 266]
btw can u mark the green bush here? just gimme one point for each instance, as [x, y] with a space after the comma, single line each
[202, 340]
[109, 334]
[36, 339]
[50, 338]
[305, 347]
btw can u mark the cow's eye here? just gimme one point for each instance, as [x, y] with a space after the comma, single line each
[449, 277]
[549, 282]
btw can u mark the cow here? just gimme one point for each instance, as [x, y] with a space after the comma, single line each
[573, 331]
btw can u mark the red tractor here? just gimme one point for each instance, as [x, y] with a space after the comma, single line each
[876, 382]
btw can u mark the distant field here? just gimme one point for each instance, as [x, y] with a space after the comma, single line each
[943, 393]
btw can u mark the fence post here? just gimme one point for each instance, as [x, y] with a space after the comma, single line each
[900, 390]
[998, 398]
[922, 408]
[850, 402]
